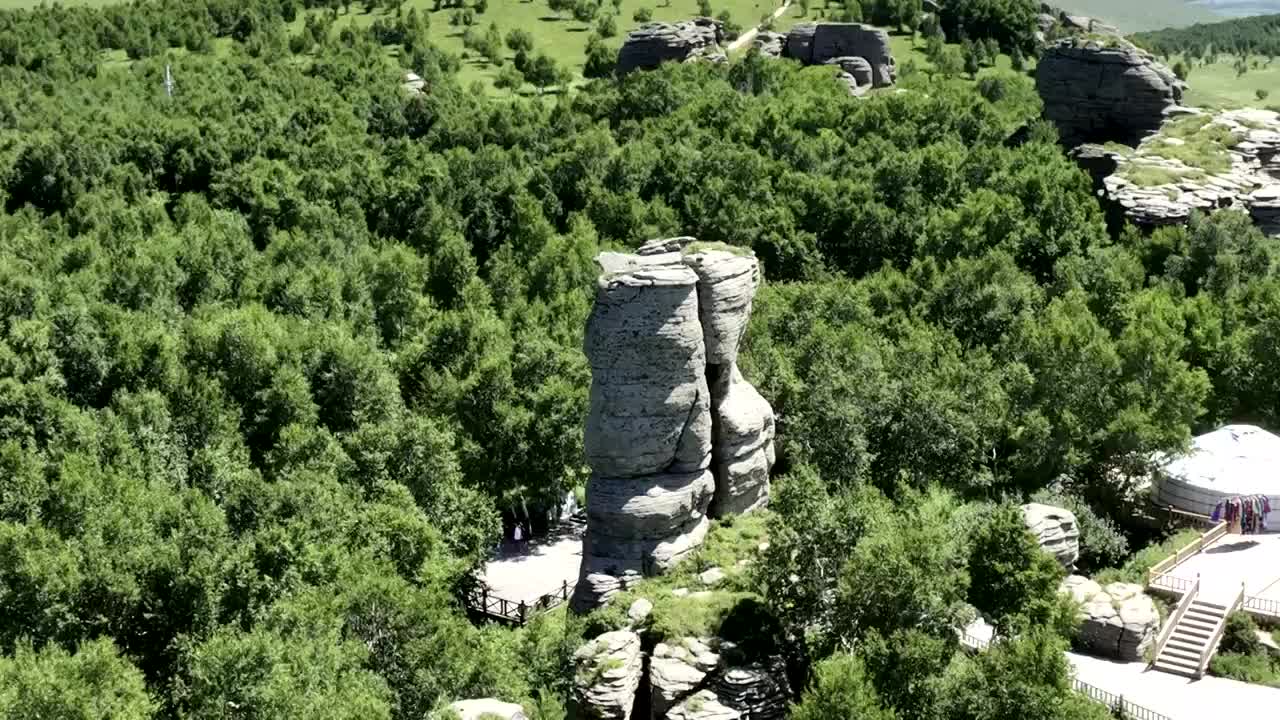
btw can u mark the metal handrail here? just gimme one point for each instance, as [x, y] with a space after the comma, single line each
[1218, 630]
[1115, 702]
[1262, 606]
[1192, 548]
[1174, 618]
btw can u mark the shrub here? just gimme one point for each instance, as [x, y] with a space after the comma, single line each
[643, 15]
[1241, 636]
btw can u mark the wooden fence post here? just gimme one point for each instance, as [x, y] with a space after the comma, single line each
[522, 612]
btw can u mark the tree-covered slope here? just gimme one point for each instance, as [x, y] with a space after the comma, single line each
[279, 353]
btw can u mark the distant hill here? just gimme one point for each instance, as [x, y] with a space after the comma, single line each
[1242, 36]
[1140, 15]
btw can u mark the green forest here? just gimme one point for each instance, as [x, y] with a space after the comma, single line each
[282, 352]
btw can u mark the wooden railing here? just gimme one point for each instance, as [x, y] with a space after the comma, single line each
[1172, 621]
[1190, 519]
[1262, 606]
[1212, 646]
[1116, 703]
[1192, 548]
[479, 600]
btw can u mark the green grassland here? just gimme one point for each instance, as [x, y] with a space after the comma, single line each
[1138, 15]
[563, 38]
[1220, 84]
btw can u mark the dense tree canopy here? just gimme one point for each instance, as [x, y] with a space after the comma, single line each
[281, 354]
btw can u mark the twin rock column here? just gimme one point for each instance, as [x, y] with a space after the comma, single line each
[674, 432]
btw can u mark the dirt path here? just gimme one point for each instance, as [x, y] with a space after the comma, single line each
[750, 35]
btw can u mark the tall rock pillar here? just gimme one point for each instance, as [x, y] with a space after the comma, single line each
[672, 424]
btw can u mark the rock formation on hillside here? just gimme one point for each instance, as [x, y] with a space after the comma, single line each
[770, 43]
[1099, 89]
[488, 709]
[655, 43]
[1235, 163]
[1056, 531]
[818, 44]
[672, 424]
[607, 673]
[1117, 621]
[688, 679]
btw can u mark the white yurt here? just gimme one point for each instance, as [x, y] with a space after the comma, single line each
[1230, 461]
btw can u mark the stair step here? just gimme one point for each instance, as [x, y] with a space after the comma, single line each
[1193, 613]
[1197, 623]
[1215, 606]
[1172, 653]
[1174, 669]
[1197, 647]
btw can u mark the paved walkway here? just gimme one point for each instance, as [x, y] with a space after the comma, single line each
[1233, 559]
[539, 568]
[1177, 698]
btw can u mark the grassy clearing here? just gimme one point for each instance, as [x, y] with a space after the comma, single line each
[1220, 84]
[732, 609]
[1137, 15]
[561, 37]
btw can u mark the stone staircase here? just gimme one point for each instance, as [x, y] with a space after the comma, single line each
[1193, 640]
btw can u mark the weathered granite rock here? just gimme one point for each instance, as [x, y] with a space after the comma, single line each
[711, 576]
[742, 448]
[607, 673]
[413, 83]
[676, 670]
[759, 691]
[1095, 91]
[665, 323]
[649, 404]
[770, 43]
[1153, 188]
[856, 67]
[1118, 621]
[703, 705]
[655, 43]
[488, 709]
[727, 284]
[639, 611]
[1056, 530]
[817, 44]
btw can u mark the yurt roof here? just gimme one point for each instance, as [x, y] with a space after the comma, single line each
[1232, 460]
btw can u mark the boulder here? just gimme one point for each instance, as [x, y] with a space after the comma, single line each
[1104, 91]
[655, 43]
[770, 43]
[857, 68]
[677, 670]
[607, 673]
[703, 705]
[711, 576]
[1056, 530]
[1046, 22]
[639, 611]
[817, 44]
[759, 691]
[1118, 621]
[488, 709]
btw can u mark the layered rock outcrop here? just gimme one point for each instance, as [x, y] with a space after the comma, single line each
[672, 423]
[821, 43]
[654, 43]
[607, 673]
[1154, 185]
[688, 679]
[1056, 530]
[1117, 621]
[770, 43]
[1104, 89]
